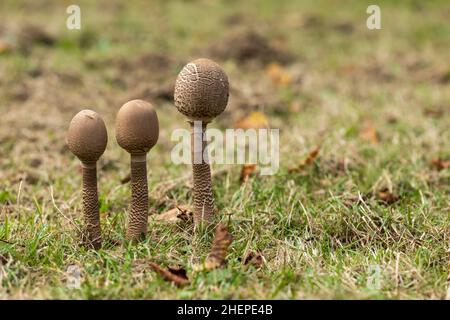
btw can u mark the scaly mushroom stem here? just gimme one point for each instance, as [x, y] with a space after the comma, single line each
[137, 131]
[138, 215]
[203, 196]
[93, 235]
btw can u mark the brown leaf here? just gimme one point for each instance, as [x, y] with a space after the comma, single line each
[219, 249]
[295, 106]
[440, 164]
[178, 277]
[185, 213]
[307, 161]
[387, 197]
[178, 271]
[434, 113]
[369, 133]
[254, 258]
[180, 213]
[247, 171]
[4, 47]
[278, 75]
[255, 120]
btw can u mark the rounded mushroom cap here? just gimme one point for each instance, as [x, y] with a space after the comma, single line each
[137, 127]
[87, 136]
[201, 90]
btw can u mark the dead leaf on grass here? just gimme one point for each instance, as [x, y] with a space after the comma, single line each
[434, 112]
[312, 155]
[440, 164]
[255, 259]
[175, 275]
[178, 271]
[4, 47]
[180, 213]
[387, 196]
[295, 106]
[278, 75]
[246, 171]
[219, 249]
[255, 120]
[369, 133]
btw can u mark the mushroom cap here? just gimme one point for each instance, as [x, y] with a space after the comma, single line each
[201, 90]
[87, 136]
[137, 127]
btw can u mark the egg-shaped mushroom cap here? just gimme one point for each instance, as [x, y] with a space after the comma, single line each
[201, 90]
[137, 127]
[87, 136]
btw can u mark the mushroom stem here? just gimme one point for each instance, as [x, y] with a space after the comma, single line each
[92, 234]
[203, 196]
[138, 215]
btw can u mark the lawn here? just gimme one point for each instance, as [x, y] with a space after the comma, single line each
[359, 208]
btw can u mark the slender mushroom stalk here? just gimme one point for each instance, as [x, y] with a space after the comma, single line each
[201, 94]
[137, 131]
[87, 139]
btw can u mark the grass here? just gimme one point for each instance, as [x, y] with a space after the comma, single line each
[323, 231]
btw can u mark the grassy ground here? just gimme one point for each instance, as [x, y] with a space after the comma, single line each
[377, 102]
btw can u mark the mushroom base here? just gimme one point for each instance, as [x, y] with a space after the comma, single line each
[203, 197]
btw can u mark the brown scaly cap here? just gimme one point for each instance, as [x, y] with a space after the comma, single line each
[87, 137]
[137, 127]
[201, 90]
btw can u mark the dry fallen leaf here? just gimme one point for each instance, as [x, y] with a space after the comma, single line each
[247, 171]
[307, 161]
[295, 106]
[178, 271]
[180, 213]
[369, 133]
[387, 196]
[175, 275]
[433, 112]
[255, 259]
[219, 249]
[4, 47]
[278, 75]
[185, 213]
[440, 164]
[255, 120]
